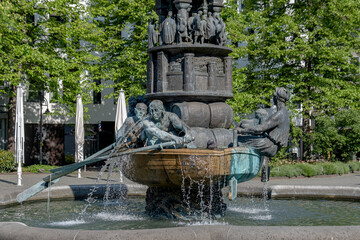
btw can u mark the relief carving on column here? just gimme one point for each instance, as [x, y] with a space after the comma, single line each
[190, 22]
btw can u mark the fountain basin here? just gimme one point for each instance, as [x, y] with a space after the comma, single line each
[252, 219]
[128, 214]
[174, 167]
[10, 230]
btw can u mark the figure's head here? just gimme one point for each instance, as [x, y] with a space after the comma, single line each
[200, 13]
[156, 110]
[170, 14]
[261, 114]
[281, 94]
[140, 110]
[209, 14]
[216, 15]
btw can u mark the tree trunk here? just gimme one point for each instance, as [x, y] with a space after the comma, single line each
[11, 120]
[306, 132]
[307, 113]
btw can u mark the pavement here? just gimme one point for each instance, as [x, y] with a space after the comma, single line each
[334, 186]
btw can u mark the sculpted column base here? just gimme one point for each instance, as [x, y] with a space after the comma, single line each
[197, 202]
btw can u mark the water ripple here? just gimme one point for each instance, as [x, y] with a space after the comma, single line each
[117, 217]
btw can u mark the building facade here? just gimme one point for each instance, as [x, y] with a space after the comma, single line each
[58, 142]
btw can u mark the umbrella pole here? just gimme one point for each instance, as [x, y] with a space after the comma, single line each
[19, 173]
[19, 133]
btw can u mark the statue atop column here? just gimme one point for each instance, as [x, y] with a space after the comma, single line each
[152, 34]
[220, 30]
[181, 28]
[168, 30]
[210, 28]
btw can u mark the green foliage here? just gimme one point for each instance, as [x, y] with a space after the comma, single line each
[301, 45]
[48, 45]
[69, 159]
[329, 168]
[309, 170]
[348, 126]
[308, 47]
[338, 137]
[124, 42]
[280, 156]
[285, 171]
[37, 168]
[7, 161]
[313, 169]
[354, 166]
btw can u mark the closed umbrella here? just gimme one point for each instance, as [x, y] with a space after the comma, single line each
[19, 132]
[121, 115]
[79, 133]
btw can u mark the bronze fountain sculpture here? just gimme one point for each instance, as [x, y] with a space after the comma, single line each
[189, 79]
[184, 149]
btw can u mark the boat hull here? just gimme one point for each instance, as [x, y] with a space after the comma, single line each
[179, 167]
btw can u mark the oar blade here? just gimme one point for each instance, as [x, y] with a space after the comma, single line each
[28, 193]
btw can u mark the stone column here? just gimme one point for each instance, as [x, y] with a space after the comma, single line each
[212, 76]
[228, 74]
[150, 75]
[189, 84]
[182, 6]
[161, 74]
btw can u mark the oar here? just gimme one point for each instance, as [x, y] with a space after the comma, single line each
[59, 172]
[135, 150]
[86, 161]
[62, 171]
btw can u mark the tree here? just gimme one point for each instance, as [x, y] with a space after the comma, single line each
[124, 44]
[338, 137]
[307, 46]
[46, 45]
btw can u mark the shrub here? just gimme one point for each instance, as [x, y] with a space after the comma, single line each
[285, 171]
[335, 168]
[37, 168]
[329, 168]
[343, 168]
[7, 161]
[354, 166]
[69, 159]
[309, 170]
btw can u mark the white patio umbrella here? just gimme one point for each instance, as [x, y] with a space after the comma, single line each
[79, 132]
[121, 115]
[19, 132]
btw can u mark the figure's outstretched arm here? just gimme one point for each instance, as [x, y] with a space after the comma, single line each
[152, 130]
[181, 126]
[272, 122]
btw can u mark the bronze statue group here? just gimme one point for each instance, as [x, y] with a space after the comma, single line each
[153, 125]
[201, 27]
